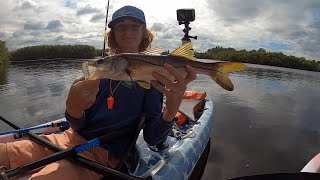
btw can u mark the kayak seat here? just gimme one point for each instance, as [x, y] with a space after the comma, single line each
[131, 157]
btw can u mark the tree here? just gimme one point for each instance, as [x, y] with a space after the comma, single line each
[259, 57]
[262, 50]
[3, 47]
[4, 55]
[54, 51]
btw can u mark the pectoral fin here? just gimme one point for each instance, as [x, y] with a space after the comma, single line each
[144, 84]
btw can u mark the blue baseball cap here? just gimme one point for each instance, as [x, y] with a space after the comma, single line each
[127, 12]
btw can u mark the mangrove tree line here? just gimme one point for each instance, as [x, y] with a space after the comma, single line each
[4, 54]
[53, 51]
[260, 56]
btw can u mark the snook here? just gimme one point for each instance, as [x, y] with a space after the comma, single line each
[139, 67]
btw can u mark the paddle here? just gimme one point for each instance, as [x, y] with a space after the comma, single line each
[65, 153]
[87, 163]
[23, 130]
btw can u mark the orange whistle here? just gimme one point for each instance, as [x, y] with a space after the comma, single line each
[110, 102]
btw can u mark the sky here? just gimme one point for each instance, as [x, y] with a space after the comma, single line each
[289, 26]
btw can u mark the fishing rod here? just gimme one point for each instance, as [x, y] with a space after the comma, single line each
[79, 160]
[105, 29]
[23, 130]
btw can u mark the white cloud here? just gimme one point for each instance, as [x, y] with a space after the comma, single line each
[292, 27]
[87, 10]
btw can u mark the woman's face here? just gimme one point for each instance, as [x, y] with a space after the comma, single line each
[128, 35]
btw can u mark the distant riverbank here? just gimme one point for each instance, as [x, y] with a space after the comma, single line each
[260, 56]
[54, 52]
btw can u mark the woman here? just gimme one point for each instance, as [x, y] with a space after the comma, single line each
[90, 115]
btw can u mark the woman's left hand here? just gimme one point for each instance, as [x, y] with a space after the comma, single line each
[173, 90]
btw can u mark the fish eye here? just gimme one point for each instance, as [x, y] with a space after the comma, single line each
[100, 61]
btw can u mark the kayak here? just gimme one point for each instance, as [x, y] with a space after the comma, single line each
[185, 156]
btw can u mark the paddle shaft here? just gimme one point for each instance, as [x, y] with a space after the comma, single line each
[59, 155]
[82, 161]
[23, 130]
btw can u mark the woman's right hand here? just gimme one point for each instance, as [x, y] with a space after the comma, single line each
[82, 96]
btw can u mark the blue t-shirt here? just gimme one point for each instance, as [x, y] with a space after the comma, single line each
[130, 101]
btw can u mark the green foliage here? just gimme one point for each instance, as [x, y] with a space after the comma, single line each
[99, 51]
[4, 55]
[259, 57]
[3, 47]
[4, 62]
[53, 51]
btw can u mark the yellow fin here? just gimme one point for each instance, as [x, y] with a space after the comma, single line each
[153, 51]
[230, 66]
[144, 84]
[224, 81]
[185, 50]
[223, 68]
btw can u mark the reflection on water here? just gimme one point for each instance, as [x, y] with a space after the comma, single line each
[3, 72]
[269, 123]
[35, 91]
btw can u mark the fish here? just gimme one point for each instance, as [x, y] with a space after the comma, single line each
[140, 66]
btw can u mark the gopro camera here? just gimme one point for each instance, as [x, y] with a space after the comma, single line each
[186, 15]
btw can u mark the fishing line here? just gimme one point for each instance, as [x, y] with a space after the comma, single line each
[105, 29]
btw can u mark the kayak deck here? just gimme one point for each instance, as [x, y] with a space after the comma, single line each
[178, 160]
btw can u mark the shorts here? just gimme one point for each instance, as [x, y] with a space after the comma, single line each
[24, 151]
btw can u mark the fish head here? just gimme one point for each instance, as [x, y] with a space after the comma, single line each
[111, 67]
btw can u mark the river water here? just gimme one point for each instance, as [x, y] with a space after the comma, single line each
[270, 123]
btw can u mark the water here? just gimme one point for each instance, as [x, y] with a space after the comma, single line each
[35, 92]
[269, 123]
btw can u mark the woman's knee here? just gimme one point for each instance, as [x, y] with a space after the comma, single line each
[4, 159]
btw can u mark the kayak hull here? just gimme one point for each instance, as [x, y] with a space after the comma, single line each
[177, 161]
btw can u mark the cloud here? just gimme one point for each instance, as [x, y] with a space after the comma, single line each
[18, 33]
[236, 11]
[2, 35]
[54, 25]
[292, 27]
[59, 38]
[88, 9]
[33, 25]
[27, 4]
[97, 18]
[157, 26]
[70, 3]
[91, 35]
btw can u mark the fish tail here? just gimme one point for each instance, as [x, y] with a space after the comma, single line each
[221, 76]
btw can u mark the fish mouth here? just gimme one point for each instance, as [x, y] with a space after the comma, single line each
[92, 70]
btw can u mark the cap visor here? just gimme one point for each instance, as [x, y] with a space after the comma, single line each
[114, 21]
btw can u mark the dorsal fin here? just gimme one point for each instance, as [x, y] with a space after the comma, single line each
[153, 51]
[185, 51]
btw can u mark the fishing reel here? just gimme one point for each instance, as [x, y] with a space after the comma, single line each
[185, 16]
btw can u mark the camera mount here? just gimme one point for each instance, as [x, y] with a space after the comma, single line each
[185, 16]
